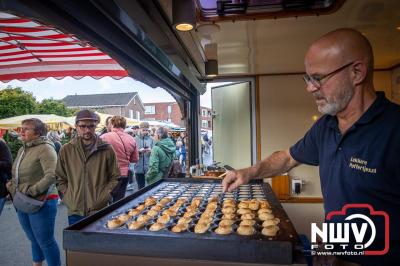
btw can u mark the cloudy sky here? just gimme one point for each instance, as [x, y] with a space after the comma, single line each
[58, 89]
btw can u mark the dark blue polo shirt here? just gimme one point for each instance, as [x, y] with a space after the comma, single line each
[361, 166]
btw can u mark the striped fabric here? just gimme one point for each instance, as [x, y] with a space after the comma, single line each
[29, 49]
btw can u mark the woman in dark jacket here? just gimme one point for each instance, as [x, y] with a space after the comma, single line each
[5, 172]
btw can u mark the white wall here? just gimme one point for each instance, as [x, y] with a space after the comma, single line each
[396, 85]
[383, 82]
[302, 215]
[286, 112]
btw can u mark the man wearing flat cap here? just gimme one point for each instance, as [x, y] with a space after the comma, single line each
[87, 170]
[135, 131]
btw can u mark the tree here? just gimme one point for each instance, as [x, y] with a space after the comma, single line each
[51, 106]
[15, 101]
[11, 138]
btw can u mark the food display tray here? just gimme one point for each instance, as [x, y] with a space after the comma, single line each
[92, 234]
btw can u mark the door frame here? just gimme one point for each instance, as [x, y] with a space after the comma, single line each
[253, 118]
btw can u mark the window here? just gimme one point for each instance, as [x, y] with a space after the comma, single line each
[169, 109]
[150, 110]
[137, 115]
[204, 112]
[213, 10]
[130, 113]
[204, 123]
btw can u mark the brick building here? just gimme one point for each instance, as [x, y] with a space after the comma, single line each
[170, 112]
[205, 118]
[124, 104]
[165, 112]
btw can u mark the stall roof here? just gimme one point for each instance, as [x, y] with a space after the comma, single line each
[54, 121]
[103, 118]
[30, 49]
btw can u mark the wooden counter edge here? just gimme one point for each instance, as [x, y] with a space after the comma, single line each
[302, 200]
[206, 177]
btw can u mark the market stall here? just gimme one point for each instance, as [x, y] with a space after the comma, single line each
[54, 122]
[103, 118]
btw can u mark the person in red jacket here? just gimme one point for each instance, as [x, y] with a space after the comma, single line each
[126, 150]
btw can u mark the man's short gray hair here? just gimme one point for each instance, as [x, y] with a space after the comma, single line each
[162, 132]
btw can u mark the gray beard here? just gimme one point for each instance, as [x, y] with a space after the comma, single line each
[332, 108]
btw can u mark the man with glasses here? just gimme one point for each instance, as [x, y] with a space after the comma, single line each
[87, 170]
[355, 143]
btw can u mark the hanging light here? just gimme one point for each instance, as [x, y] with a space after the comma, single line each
[211, 68]
[211, 64]
[207, 30]
[183, 15]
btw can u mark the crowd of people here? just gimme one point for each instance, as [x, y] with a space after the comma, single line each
[87, 173]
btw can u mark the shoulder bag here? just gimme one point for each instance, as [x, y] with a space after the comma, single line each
[174, 169]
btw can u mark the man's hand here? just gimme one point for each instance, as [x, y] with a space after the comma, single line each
[233, 179]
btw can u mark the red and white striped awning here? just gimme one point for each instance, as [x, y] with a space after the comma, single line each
[29, 49]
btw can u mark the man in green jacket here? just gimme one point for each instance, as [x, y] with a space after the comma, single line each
[87, 170]
[162, 155]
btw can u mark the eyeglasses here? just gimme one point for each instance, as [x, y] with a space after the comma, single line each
[86, 126]
[26, 129]
[316, 81]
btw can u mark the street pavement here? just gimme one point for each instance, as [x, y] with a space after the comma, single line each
[15, 249]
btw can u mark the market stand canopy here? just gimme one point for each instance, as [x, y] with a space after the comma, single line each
[103, 118]
[29, 49]
[154, 123]
[54, 121]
